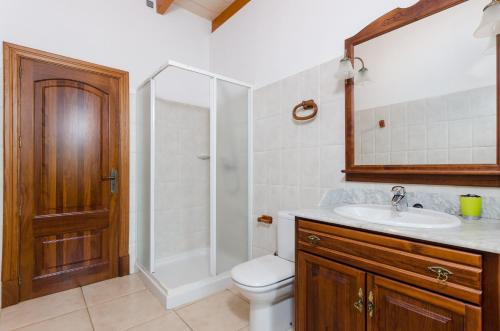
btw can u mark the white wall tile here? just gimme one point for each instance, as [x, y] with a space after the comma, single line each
[274, 167]
[437, 135]
[417, 137]
[460, 133]
[309, 167]
[460, 156]
[458, 106]
[309, 198]
[437, 156]
[399, 139]
[399, 158]
[484, 155]
[436, 110]
[483, 101]
[417, 157]
[260, 168]
[290, 167]
[368, 142]
[331, 164]
[397, 115]
[485, 131]
[289, 198]
[416, 112]
[332, 122]
[309, 132]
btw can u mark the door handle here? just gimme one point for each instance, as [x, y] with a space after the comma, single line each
[360, 303]
[113, 178]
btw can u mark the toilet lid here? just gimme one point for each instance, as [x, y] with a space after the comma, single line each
[263, 271]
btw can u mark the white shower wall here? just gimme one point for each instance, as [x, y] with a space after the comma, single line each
[182, 197]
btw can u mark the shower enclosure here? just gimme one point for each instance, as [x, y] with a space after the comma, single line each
[193, 174]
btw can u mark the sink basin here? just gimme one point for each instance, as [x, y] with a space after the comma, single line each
[413, 218]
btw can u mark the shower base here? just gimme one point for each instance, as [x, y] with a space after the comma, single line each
[184, 278]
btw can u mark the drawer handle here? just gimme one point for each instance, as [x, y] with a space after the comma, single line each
[442, 273]
[360, 303]
[313, 239]
[371, 304]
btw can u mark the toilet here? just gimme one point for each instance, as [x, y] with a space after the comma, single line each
[268, 282]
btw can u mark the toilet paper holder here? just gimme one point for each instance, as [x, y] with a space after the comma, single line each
[266, 219]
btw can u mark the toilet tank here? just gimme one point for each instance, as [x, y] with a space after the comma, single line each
[286, 236]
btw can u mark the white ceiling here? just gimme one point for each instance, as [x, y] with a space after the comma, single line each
[208, 9]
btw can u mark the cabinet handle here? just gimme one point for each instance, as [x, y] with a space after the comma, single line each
[360, 303]
[442, 273]
[371, 304]
[313, 239]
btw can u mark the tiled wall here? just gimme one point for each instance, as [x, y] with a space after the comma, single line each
[457, 128]
[294, 163]
[182, 204]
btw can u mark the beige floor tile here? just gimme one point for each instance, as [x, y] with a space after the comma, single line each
[40, 309]
[126, 312]
[170, 321]
[75, 321]
[220, 312]
[112, 289]
[237, 292]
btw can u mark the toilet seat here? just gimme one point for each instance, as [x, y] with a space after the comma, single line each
[264, 273]
[269, 288]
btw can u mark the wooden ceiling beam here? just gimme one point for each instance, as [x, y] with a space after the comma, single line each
[163, 5]
[228, 13]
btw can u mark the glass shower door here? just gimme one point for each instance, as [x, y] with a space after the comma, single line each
[232, 175]
[143, 180]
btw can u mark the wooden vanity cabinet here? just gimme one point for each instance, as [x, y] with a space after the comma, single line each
[352, 280]
[325, 293]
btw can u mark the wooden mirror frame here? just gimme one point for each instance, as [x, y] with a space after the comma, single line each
[447, 174]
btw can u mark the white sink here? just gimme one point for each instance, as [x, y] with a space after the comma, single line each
[413, 218]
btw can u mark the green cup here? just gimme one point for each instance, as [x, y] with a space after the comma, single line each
[470, 206]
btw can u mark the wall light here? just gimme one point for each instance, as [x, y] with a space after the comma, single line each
[490, 23]
[346, 71]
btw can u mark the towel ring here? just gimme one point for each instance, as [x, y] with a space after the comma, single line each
[305, 105]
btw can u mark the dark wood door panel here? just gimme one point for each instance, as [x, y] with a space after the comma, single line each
[326, 294]
[400, 307]
[69, 217]
[72, 131]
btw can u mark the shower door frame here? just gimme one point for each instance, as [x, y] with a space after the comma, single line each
[214, 78]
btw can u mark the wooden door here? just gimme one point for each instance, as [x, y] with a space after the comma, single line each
[326, 295]
[68, 145]
[400, 307]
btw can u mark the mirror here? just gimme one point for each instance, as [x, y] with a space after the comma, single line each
[431, 98]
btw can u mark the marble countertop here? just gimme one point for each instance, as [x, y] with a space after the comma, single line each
[482, 235]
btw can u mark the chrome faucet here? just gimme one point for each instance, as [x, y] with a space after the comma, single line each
[399, 200]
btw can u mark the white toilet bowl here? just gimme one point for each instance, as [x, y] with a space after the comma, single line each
[267, 282]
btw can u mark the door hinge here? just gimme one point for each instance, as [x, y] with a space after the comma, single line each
[19, 142]
[20, 71]
[19, 281]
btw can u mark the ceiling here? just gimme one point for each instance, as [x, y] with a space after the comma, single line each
[208, 9]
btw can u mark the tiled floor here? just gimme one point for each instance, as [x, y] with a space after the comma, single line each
[124, 304]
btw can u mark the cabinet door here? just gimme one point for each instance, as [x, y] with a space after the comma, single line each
[400, 307]
[326, 295]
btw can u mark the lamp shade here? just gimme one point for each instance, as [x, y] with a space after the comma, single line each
[490, 23]
[363, 77]
[345, 70]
